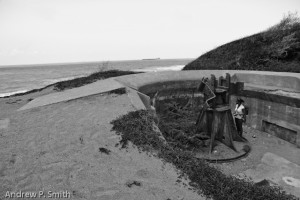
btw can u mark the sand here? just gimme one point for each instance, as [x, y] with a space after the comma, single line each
[56, 148]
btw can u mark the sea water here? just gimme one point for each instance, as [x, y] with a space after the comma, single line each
[22, 78]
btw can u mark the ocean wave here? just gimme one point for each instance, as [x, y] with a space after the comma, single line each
[159, 69]
[12, 93]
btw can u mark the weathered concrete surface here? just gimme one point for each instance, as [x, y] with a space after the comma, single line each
[261, 111]
[75, 93]
[280, 80]
[271, 94]
[56, 148]
[4, 123]
[287, 80]
[135, 99]
[273, 89]
[279, 171]
[158, 79]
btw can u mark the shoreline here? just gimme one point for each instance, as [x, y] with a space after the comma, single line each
[90, 62]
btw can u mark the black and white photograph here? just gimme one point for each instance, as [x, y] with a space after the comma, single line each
[150, 100]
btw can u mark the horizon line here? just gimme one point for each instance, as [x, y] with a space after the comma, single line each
[83, 62]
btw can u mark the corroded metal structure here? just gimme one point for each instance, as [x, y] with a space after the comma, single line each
[215, 119]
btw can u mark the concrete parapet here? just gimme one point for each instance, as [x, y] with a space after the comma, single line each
[289, 83]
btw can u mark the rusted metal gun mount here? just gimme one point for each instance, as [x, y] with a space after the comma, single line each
[215, 119]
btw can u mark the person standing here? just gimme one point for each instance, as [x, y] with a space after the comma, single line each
[239, 116]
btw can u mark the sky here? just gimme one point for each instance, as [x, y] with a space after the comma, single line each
[56, 31]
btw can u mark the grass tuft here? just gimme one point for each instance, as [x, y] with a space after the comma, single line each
[118, 91]
[137, 127]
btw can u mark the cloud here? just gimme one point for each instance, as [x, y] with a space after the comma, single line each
[17, 52]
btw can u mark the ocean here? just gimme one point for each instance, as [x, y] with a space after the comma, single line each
[21, 78]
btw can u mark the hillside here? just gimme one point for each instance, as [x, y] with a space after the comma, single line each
[276, 49]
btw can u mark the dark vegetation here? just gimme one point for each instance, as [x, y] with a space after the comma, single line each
[12, 102]
[118, 91]
[132, 183]
[77, 82]
[104, 150]
[177, 122]
[137, 127]
[276, 49]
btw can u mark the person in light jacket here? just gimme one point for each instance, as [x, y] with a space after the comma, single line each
[239, 116]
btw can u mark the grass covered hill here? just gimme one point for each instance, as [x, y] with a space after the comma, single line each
[276, 49]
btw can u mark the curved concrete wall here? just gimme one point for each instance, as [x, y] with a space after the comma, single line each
[281, 81]
[278, 80]
[268, 112]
